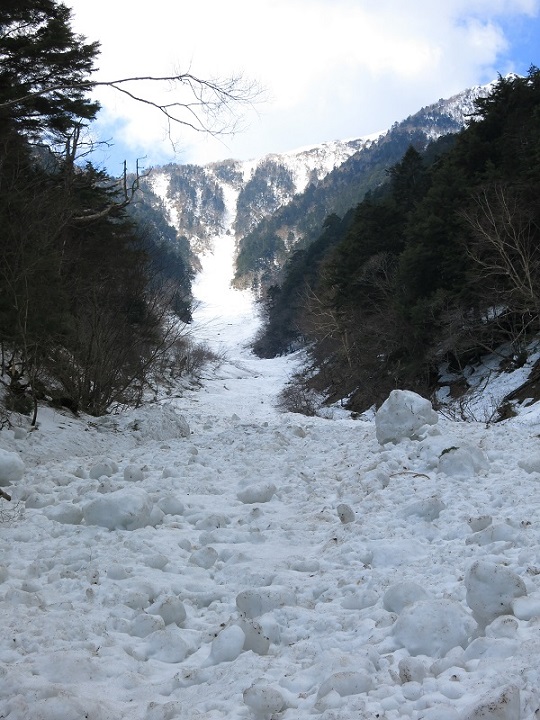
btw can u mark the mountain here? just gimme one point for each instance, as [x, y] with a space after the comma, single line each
[276, 202]
[426, 273]
[233, 196]
[263, 251]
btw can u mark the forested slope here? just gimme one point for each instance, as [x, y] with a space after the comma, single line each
[266, 247]
[85, 300]
[439, 267]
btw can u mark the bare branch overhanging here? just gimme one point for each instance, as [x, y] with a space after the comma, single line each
[211, 98]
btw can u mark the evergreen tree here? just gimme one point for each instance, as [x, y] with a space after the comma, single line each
[79, 318]
[44, 69]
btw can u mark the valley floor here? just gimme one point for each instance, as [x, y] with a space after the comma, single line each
[266, 565]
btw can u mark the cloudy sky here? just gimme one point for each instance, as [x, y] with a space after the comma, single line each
[330, 69]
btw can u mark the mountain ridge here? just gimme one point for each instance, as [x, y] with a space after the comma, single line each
[198, 199]
[278, 201]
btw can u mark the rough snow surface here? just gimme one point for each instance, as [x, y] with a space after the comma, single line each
[210, 558]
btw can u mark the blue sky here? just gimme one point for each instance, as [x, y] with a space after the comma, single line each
[331, 69]
[523, 35]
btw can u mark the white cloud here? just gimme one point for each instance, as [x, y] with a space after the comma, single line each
[332, 68]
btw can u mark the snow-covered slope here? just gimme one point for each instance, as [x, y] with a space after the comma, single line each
[448, 114]
[207, 557]
[197, 199]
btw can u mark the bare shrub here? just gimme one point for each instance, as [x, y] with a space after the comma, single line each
[199, 356]
[297, 397]
[9, 513]
[186, 358]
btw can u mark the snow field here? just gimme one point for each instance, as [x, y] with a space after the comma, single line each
[208, 558]
[163, 592]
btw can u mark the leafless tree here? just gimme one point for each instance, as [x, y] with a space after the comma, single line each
[505, 247]
[203, 105]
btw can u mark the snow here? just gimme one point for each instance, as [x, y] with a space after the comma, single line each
[11, 468]
[303, 161]
[403, 414]
[159, 183]
[207, 557]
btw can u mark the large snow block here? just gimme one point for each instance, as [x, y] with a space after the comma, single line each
[433, 627]
[261, 493]
[491, 590]
[160, 422]
[404, 414]
[503, 704]
[128, 509]
[11, 468]
[258, 601]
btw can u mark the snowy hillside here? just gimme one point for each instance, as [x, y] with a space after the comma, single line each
[207, 557]
[457, 109]
[198, 199]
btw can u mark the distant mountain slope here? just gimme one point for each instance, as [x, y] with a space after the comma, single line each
[264, 249]
[273, 203]
[233, 196]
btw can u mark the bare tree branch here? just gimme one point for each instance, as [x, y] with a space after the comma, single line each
[128, 191]
[210, 98]
[505, 243]
[4, 495]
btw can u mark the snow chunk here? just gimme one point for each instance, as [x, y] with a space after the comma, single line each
[526, 608]
[490, 647]
[505, 705]
[255, 638]
[11, 468]
[345, 513]
[506, 626]
[263, 700]
[480, 522]
[143, 625]
[402, 594]
[204, 558]
[433, 627]
[404, 414]
[491, 589]
[66, 513]
[257, 601]
[257, 493]
[159, 423]
[127, 509]
[212, 522]
[167, 645]
[346, 683]
[463, 461]
[117, 572]
[133, 474]
[105, 467]
[531, 464]
[170, 608]
[428, 508]
[171, 505]
[501, 532]
[412, 670]
[227, 646]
